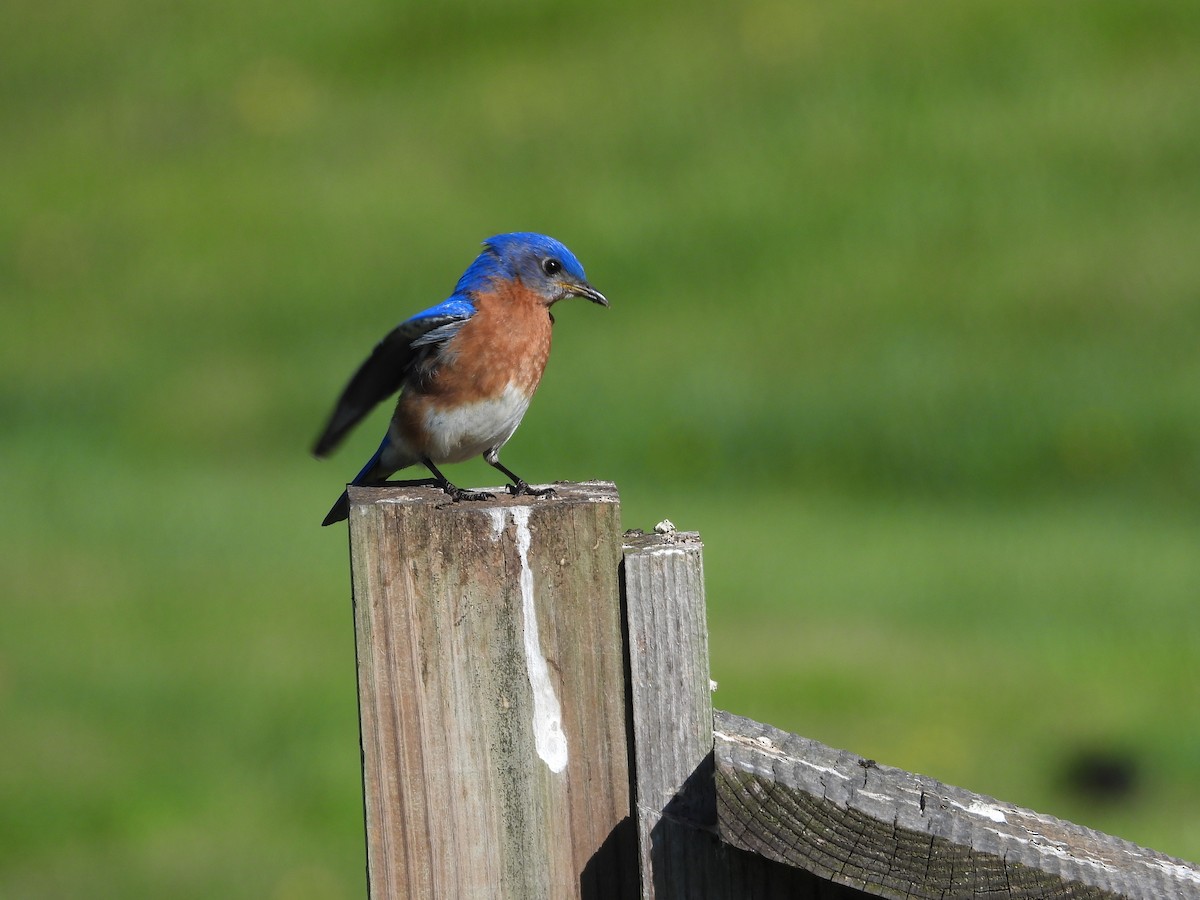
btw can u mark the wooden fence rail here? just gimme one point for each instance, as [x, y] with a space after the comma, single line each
[537, 723]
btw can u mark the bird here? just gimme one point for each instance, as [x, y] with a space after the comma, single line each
[466, 369]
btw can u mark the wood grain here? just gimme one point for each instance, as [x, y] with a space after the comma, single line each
[507, 721]
[681, 855]
[892, 833]
[671, 705]
[462, 799]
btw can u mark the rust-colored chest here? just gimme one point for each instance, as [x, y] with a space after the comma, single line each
[506, 342]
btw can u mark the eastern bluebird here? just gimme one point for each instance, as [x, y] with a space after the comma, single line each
[466, 369]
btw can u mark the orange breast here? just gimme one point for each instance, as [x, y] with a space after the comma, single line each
[506, 342]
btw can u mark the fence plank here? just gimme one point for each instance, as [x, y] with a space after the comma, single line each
[892, 833]
[491, 691]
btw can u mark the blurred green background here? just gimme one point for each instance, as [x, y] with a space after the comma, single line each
[906, 308]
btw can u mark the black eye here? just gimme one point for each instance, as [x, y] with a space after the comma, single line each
[551, 266]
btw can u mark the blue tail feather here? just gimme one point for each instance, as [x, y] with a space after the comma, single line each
[341, 509]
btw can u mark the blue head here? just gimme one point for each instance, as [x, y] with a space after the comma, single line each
[542, 264]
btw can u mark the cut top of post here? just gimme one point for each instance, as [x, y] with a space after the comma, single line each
[420, 493]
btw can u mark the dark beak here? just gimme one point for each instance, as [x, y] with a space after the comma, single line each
[586, 290]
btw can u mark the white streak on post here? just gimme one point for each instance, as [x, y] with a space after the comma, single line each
[548, 736]
[987, 810]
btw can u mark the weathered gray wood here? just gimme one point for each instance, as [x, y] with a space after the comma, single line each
[891, 833]
[671, 703]
[495, 737]
[681, 856]
[491, 693]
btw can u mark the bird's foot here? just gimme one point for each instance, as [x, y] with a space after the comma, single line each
[522, 487]
[457, 494]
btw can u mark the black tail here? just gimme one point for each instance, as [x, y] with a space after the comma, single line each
[369, 474]
[340, 511]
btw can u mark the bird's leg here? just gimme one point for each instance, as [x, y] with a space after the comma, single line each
[455, 493]
[519, 486]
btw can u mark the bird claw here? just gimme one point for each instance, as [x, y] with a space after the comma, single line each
[522, 487]
[457, 494]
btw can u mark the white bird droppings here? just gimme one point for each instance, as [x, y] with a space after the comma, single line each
[549, 739]
[987, 811]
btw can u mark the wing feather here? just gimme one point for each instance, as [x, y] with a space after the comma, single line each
[384, 371]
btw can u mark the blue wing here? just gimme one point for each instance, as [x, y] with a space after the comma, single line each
[384, 371]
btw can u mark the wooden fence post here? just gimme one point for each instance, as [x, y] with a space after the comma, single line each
[671, 707]
[682, 855]
[492, 694]
[499, 698]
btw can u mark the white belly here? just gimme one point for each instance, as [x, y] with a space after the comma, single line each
[459, 434]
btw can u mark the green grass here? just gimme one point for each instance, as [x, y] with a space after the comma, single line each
[904, 322]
